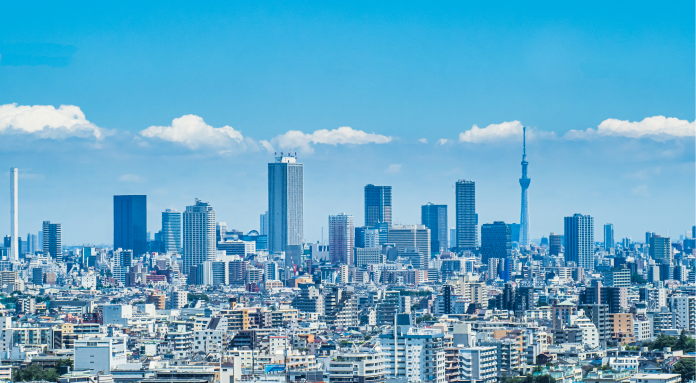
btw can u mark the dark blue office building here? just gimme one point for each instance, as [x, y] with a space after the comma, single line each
[378, 205]
[434, 217]
[130, 223]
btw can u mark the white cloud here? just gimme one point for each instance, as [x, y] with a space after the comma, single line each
[423, 140]
[344, 135]
[442, 141]
[394, 168]
[492, 132]
[191, 131]
[45, 121]
[658, 128]
[130, 178]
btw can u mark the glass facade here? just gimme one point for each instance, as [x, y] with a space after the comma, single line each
[434, 217]
[130, 223]
[285, 204]
[378, 205]
[467, 230]
[171, 231]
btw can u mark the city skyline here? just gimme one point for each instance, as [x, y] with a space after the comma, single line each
[599, 232]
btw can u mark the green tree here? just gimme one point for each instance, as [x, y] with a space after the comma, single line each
[637, 279]
[35, 372]
[685, 367]
[604, 367]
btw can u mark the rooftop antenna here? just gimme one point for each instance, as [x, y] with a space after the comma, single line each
[524, 141]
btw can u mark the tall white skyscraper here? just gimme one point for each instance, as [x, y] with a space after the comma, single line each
[341, 237]
[199, 235]
[285, 203]
[14, 214]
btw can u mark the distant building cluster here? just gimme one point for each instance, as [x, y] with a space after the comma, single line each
[383, 302]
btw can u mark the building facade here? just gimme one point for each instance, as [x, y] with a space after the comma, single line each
[341, 237]
[199, 235]
[285, 203]
[171, 231]
[434, 217]
[579, 238]
[130, 223]
[378, 205]
[466, 219]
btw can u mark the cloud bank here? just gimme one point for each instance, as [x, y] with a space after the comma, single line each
[658, 128]
[344, 135]
[492, 132]
[191, 131]
[45, 121]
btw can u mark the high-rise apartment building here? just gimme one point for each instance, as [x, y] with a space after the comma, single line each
[14, 214]
[378, 205]
[341, 237]
[434, 217]
[608, 236]
[52, 240]
[411, 236]
[171, 231]
[467, 225]
[130, 223]
[579, 237]
[660, 248]
[495, 241]
[285, 203]
[199, 235]
[555, 244]
[413, 354]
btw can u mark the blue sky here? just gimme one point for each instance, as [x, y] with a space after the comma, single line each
[264, 77]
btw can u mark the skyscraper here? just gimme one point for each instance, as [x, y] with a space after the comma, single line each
[408, 237]
[467, 230]
[648, 235]
[660, 248]
[434, 217]
[130, 223]
[378, 205]
[199, 235]
[341, 237]
[555, 244]
[285, 203]
[495, 241]
[524, 183]
[608, 236]
[52, 241]
[14, 214]
[171, 231]
[32, 243]
[263, 224]
[579, 238]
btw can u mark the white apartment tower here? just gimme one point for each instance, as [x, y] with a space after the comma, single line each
[413, 354]
[199, 235]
